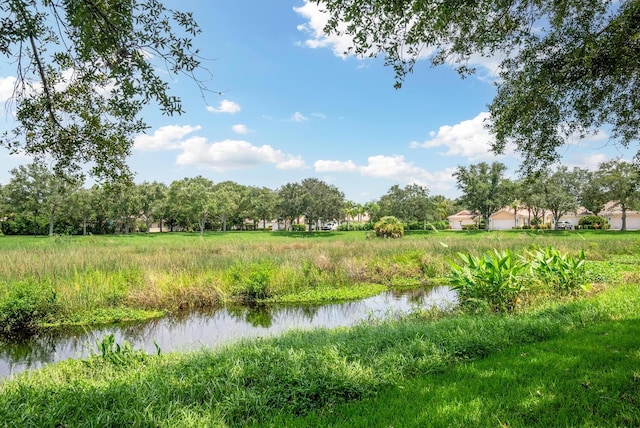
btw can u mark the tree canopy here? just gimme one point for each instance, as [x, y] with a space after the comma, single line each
[410, 203]
[620, 182]
[484, 188]
[567, 67]
[84, 71]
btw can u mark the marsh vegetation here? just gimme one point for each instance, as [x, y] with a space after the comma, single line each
[546, 345]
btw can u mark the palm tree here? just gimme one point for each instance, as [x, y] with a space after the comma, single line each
[360, 210]
[515, 204]
[349, 211]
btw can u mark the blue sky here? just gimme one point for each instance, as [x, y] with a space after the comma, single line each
[293, 106]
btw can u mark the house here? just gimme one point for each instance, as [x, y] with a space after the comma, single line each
[462, 218]
[574, 217]
[503, 219]
[506, 218]
[613, 213]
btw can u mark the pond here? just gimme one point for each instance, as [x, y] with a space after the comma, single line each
[207, 329]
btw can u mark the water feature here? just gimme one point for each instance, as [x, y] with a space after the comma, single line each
[207, 329]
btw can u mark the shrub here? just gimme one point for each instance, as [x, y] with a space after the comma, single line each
[593, 222]
[563, 272]
[494, 281]
[429, 225]
[415, 225]
[20, 224]
[116, 354]
[439, 225]
[389, 227]
[298, 227]
[355, 225]
[24, 306]
[251, 283]
[491, 282]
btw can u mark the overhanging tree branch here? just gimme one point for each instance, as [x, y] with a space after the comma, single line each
[94, 76]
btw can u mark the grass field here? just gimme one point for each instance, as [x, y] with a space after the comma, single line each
[572, 360]
[96, 279]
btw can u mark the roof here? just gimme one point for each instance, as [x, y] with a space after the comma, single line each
[465, 214]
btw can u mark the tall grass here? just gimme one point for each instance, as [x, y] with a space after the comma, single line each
[170, 272]
[177, 271]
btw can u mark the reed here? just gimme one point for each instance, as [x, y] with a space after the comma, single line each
[171, 272]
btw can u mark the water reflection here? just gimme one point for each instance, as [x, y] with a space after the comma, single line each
[209, 328]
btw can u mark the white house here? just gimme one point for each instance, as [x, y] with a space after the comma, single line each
[574, 217]
[613, 213]
[462, 218]
[506, 218]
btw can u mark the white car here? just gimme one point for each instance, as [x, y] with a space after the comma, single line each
[564, 225]
[330, 226]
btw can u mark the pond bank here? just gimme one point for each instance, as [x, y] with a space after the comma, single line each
[301, 372]
[196, 329]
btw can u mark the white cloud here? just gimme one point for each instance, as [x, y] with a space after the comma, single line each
[392, 167]
[219, 156]
[319, 115]
[488, 67]
[396, 169]
[334, 166]
[472, 140]
[165, 137]
[592, 136]
[468, 138]
[292, 162]
[234, 154]
[298, 117]
[591, 161]
[7, 85]
[225, 106]
[316, 21]
[240, 129]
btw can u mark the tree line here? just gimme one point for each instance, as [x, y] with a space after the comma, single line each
[38, 201]
[559, 192]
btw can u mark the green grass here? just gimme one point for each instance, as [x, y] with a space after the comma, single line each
[588, 378]
[568, 362]
[571, 363]
[172, 272]
[143, 275]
